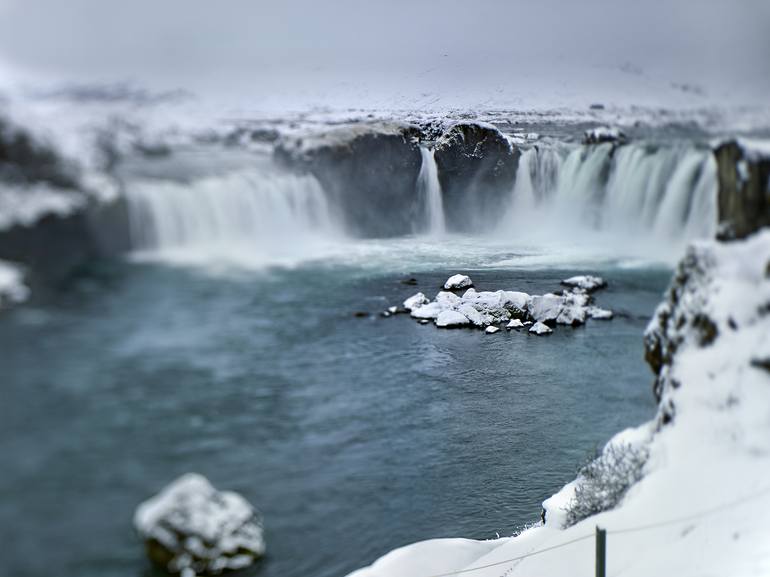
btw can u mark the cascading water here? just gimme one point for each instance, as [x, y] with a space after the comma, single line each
[258, 214]
[429, 189]
[637, 191]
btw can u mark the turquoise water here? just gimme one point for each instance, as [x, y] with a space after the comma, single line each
[352, 435]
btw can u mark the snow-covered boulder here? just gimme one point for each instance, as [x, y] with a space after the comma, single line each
[603, 134]
[491, 330]
[458, 282]
[514, 324]
[415, 301]
[451, 319]
[568, 308]
[192, 529]
[586, 282]
[540, 329]
[430, 310]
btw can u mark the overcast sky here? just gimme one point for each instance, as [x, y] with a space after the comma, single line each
[400, 51]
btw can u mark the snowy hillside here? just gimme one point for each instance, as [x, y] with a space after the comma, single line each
[702, 504]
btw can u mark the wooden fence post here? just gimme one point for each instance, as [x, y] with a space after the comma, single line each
[601, 552]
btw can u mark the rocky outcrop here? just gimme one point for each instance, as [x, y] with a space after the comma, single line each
[477, 169]
[743, 173]
[192, 529]
[369, 172]
[720, 291]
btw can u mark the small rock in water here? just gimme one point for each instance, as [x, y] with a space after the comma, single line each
[386, 314]
[423, 321]
[491, 330]
[393, 310]
[360, 314]
[540, 329]
[190, 528]
[585, 282]
[457, 282]
[515, 324]
[415, 301]
[450, 319]
[409, 281]
[599, 314]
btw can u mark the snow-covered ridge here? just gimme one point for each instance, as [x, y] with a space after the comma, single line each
[704, 497]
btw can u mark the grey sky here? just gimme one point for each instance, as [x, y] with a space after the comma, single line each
[402, 50]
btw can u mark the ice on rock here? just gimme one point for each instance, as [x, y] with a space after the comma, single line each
[450, 319]
[491, 330]
[586, 282]
[191, 528]
[540, 329]
[457, 282]
[514, 324]
[415, 301]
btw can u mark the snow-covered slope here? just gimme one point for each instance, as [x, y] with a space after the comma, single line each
[703, 502]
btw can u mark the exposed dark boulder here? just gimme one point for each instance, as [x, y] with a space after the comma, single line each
[743, 173]
[369, 172]
[477, 169]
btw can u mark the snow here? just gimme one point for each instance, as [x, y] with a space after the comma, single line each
[12, 287]
[491, 330]
[514, 324]
[26, 205]
[457, 282]
[540, 329]
[603, 134]
[450, 319]
[484, 308]
[586, 282]
[203, 530]
[415, 301]
[702, 505]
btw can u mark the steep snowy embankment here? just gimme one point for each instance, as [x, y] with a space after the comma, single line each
[703, 503]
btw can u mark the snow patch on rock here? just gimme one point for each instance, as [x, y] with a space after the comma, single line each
[540, 329]
[458, 282]
[12, 287]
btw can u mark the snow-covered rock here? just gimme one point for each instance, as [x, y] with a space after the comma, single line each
[393, 310]
[491, 330]
[458, 282]
[599, 314]
[514, 324]
[703, 499]
[588, 283]
[540, 329]
[484, 308]
[450, 319]
[12, 287]
[191, 528]
[415, 301]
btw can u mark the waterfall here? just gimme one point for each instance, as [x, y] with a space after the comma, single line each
[429, 190]
[259, 214]
[639, 191]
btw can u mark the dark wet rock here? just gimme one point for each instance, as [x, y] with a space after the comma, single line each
[477, 169]
[369, 172]
[743, 174]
